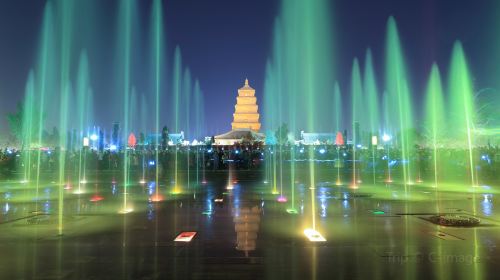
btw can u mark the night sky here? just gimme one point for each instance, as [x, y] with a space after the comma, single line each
[225, 41]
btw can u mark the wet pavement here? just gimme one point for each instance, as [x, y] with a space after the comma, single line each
[372, 232]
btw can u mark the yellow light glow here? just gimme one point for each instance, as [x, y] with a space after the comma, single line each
[313, 235]
[126, 211]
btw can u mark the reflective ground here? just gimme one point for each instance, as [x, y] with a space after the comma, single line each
[373, 232]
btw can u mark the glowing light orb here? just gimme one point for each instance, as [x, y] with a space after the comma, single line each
[83, 181]
[266, 182]
[338, 183]
[275, 192]
[229, 187]
[176, 190]
[24, 181]
[156, 198]
[67, 187]
[292, 211]
[142, 182]
[313, 235]
[125, 210]
[96, 198]
[78, 192]
[218, 200]
[281, 199]
[204, 182]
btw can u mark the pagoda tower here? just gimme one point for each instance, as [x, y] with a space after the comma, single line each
[246, 114]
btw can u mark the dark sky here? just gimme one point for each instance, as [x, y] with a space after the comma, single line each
[224, 41]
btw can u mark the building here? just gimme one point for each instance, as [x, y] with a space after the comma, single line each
[311, 138]
[246, 114]
[246, 124]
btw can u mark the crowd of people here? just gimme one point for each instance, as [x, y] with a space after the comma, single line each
[486, 159]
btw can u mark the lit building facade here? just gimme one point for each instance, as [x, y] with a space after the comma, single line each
[246, 110]
[246, 124]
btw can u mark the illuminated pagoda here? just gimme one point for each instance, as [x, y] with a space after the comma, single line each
[246, 114]
[245, 125]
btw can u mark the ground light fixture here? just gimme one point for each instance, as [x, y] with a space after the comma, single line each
[292, 211]
[126, 210]
[96, 198]
[313, 235]
[176, 190]
[156, 198]
[281, 199]
[185, 236]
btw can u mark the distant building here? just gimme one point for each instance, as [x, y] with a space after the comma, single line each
[173, 138]
[311, 138]
[245, 125]
[238, 136]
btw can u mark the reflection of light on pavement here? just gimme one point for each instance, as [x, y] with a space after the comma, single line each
[487, 204]
[313, 235]
[345, 203]
[185, 236]
[126, 211]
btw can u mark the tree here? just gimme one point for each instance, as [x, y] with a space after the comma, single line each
[281, 134]
[15, 121]
[164, 138]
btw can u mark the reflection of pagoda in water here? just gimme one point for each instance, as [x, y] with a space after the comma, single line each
[245, 125]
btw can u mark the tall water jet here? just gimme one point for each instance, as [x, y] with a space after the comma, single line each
[462, 112]
[371, 93]
[337, 103]
[386, 137]
[435, 116]
[157, 45]
[45, 83]
[270, 122]
[28, 126]
[357, 113]
[186, 96]
[198, 129]
[66, 24]
[125, 41]
[400, 112]
[176, 85]
[307, 65]
[82, 92]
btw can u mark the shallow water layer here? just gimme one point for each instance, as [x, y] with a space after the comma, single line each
[244, 231]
